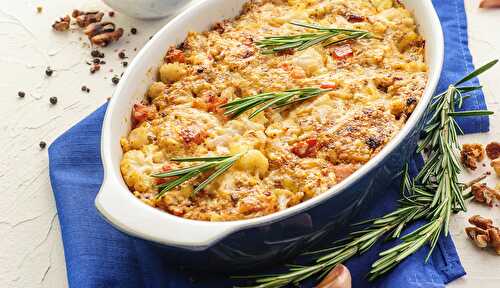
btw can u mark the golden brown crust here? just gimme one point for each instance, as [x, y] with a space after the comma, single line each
[295, 153]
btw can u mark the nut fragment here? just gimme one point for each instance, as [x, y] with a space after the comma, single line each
[493, 150]
[484, 194]
[339, 277]
[496, 166]
[483, 233]
[62, 24]
[471, 154]
[83, 19]
[490, 4]
[481, 222]
[102, 34]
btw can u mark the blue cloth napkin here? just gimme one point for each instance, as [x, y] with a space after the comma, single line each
[98, 256]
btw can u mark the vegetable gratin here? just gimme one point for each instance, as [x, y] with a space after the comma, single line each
[274, 107]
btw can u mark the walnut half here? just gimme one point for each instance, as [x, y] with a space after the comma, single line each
[483, 233]
[484, 194]
[62, 24]
[472, 154]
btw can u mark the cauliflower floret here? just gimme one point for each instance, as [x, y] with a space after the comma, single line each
[253, 161]
[138, 137]
[310, 60]
[172, 72]
[136, 166]
[156, 89]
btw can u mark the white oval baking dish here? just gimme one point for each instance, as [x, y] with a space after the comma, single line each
[117, 204]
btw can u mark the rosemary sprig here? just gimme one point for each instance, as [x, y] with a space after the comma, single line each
[439, 174]
[433, 194]
[326, 36]
[270, 100]
[219, 164]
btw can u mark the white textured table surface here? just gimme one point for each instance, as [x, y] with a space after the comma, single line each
[31, 253]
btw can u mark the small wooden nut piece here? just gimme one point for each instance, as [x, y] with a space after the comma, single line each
[339, 277]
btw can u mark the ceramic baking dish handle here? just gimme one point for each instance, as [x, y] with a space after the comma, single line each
[122, 210]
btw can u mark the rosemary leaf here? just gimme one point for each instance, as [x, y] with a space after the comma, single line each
[219, 164]
[326, 35]
[264, 101]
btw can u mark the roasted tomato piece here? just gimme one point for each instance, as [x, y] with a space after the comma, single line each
[306, 148]
[165, 168]
[341, 52]
[175, 55]
[328, 85]
[193, 135]
[343, 171]
[354, 18]
[142, 113]
[213, 102]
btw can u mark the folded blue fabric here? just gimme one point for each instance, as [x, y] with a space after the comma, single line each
[98, 256]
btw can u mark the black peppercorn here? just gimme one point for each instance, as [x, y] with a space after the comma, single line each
[103, 62]
[49, 71]
[85, 89]
[115, 80]
[94, 53]
[21, 94]
[122, 55]
[133, 31]
[125, 63]
[111, 13]
[96, 61]
[53, 100]
[42, 144]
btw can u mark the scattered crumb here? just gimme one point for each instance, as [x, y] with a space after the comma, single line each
[39, 9]
[472, 154]
[95, 68]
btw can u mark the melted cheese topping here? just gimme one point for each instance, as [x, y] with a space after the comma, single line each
[294, 153]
